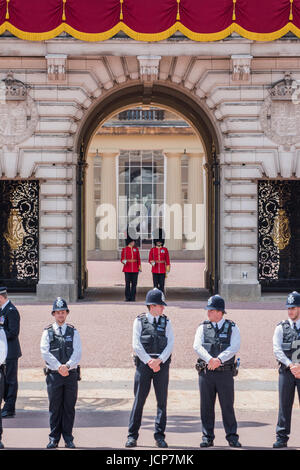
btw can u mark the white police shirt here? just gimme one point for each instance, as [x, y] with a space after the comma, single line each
[277, 343]
[3, 346]
[50, 360]
[228, 353]
[139, 348]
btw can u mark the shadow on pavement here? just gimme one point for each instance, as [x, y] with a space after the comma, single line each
[102, 419]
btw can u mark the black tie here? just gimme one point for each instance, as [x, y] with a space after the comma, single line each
[295, 326]
[155, 322]
[60, 330]
[217, 328]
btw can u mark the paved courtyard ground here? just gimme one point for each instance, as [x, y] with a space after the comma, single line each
[182, 274]
[106, 390]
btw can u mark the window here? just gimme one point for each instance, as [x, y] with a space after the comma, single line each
[141, 192]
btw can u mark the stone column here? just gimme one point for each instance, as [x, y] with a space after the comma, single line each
[90, 205]
[196, 201]
[174, 198]
[109, 194]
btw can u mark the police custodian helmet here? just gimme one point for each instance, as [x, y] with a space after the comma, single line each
[155, 297]
[216, 302]
[59, 304]
[293, 300]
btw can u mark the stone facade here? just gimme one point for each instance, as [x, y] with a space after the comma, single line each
[230, 80]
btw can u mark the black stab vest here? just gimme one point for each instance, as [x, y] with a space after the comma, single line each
[153, 338]
[290, 341]
[214, 342]
[61, 346]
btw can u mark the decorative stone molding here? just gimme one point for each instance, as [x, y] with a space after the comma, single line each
[12, 89]
[280, 113]
[241, 67]
[18, 113]
[56, 66]
[149, 67]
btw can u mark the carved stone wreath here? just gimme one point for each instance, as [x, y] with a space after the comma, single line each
[18, 112]
[280, 113]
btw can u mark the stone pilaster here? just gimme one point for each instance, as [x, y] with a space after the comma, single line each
[109, 194]
[196, 202]
[90, 205]
[174, 198]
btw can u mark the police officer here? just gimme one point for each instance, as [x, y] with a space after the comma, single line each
[216, 342]
[10, 319]
[152, 343]
[3, 354]
[286, 342]
[160, 261]
[61, 350]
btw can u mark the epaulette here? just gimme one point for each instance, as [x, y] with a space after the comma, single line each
[207, 322]
[141, 315]
[48, 327]
[71, 326]
[282, 322]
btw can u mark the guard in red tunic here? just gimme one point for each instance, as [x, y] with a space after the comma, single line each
[160, 261]
[131, 260]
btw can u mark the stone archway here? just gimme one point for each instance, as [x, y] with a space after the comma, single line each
[187, 106]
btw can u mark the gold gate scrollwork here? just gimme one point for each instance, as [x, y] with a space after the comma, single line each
[15, 232]
[281, 233]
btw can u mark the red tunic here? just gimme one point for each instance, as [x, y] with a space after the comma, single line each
[132, 256]
[161, 257]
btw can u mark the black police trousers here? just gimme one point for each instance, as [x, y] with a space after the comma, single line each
[62, 394]
[1, 396]
[130, 285]
[11, 385]
[287, 386]
[142, 383]
[211, 384]
[159, 281]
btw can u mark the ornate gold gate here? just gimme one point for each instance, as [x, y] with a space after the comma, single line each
[19, 247]
[279, 235]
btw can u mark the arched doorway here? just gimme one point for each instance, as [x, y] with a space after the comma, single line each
[189, 109]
